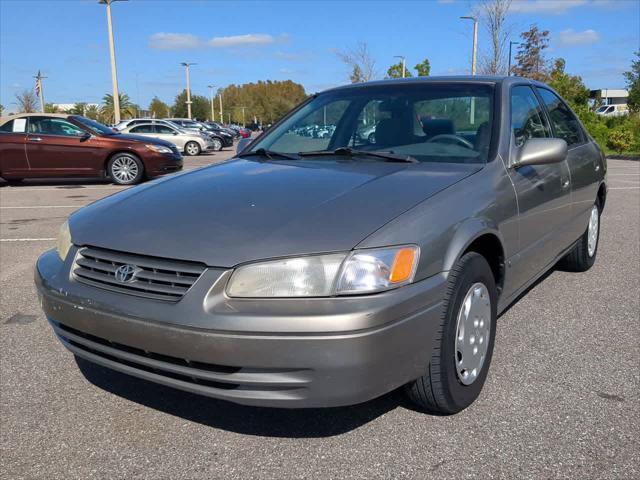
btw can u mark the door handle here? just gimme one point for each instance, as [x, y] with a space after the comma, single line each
[35, 139]
[565, 182]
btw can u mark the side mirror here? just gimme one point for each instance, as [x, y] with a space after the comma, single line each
[242, 144]
[540, 151]
[84, 136]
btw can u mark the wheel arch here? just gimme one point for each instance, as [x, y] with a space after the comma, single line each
[481, 237]
[602, 195]
[118, 151]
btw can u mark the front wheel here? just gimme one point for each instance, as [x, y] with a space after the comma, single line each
[463, 345]
[217, 144]
[192, 149]
[125, 169]
[583, 255]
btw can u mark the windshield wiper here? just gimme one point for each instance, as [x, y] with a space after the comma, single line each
[348, 151]
[263, 152]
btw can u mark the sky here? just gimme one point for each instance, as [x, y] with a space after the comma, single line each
[246, 41]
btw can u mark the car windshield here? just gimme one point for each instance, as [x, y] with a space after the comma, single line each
[428, 122]
[95, 127]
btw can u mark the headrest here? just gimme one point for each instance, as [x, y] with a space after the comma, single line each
[437, 126]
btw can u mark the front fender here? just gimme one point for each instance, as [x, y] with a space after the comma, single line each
[465, 235]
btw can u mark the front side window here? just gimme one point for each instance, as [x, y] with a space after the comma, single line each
[565, 124]
[54, 126]
[163, 129]
[431, 122]
[527, 118]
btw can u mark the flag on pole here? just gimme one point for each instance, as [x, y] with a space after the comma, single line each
[38, 84]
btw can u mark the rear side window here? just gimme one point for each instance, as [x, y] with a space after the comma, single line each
[17, 125]
[54, 126]
[142, 129]
[527, 118]
[565, 124]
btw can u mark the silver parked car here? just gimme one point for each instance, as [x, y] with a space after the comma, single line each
[190, 143]
[313, 272]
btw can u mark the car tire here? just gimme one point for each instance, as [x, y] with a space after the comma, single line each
[371, 138]
[217, 144]
[468, 323]
[125, 169]
[14, 181]
[583, 254]
[192, 149]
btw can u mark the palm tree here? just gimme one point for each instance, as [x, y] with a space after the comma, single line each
[127, 109]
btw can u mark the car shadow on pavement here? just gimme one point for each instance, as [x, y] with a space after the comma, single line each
[259, 421]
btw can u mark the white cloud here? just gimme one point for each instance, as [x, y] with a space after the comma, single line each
[241, 40]
[570, 38]
[553, 7]
[174, 41]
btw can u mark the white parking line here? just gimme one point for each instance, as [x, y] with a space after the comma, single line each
[57, 189]
[623, 188]
[624, 174]
[43, 206]
[26, 239]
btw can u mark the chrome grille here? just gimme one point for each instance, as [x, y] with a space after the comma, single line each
[155, 278]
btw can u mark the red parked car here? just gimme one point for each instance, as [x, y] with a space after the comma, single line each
[38, 145]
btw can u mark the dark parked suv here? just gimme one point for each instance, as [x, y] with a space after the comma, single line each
[55, 145]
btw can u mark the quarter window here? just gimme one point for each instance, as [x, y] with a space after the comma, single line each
[565, 124]
[527, 118]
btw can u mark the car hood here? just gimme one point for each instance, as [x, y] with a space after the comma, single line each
[128, 137]
[245, 210]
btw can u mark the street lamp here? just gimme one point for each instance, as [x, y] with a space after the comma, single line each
[404, 70]
[186, 65]
[112, 52]
[475, 43]
[511, 44]
[242, 108]
[213, 113]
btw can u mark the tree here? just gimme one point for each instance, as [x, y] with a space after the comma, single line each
[360, 63]
[1, 109]
[423, 68]
[570, 87]
[127, 109]
[633, 84]
[158, 108]
[50, 108]
[78, 109]
[200, 107]
[27, 102]
[395, 71]
[530, 59]
[492, 14]
[93, 112]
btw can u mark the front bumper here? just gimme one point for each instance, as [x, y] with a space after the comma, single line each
[280, 352]
[160, 164]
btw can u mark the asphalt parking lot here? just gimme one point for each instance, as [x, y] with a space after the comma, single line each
[561, 400]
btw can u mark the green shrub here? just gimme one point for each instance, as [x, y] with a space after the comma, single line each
[620, 139]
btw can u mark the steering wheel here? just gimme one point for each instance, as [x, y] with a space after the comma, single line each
[456, 139]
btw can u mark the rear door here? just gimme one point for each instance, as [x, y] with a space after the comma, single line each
[13, 157]
[543, 191]
[146, 130]
[583, 160]
[56, 146]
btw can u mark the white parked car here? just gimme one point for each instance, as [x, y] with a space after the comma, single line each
[612, 110]
[191, 143]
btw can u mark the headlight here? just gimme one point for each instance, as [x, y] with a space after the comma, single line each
[64, 241]
[362, 271]
[159, 148]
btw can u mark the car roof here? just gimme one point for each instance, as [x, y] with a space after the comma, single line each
[479, 79]
[4, 120]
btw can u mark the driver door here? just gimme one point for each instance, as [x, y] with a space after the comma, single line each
[56, 146]
[543, 191]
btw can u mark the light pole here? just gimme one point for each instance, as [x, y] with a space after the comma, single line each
[475, 43]
[242, 108]
[511, 44]
[213, 113]
[186, 66]
[112, 52]
[404, 70]
[220, 101]
[39, 90]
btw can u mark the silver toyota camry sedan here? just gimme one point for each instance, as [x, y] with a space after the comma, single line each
[314, 272]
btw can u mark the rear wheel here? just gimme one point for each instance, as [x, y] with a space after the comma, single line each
[125, 169]
[192, 149]
[583, 255]
[463, 345]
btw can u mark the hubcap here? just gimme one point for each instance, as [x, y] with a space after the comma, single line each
[217, 145]
[592, 233]
[124, 169]
[472, 333]
[192, 149]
